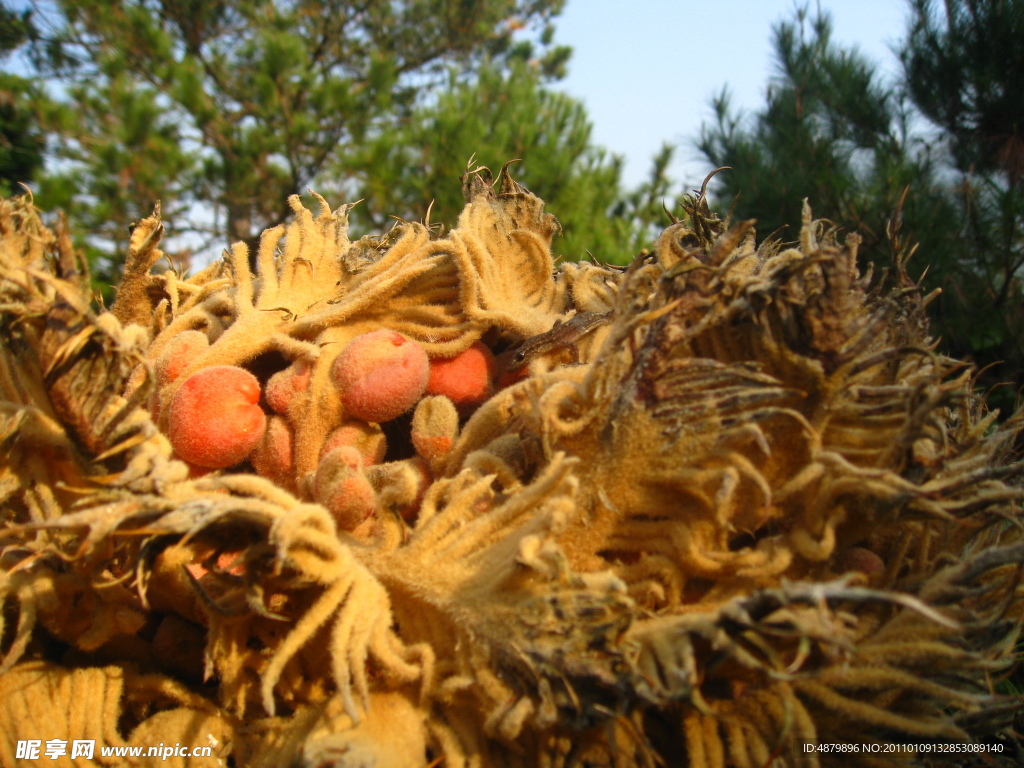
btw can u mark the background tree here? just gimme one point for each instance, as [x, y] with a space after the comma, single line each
[833, 132]
[964, 68]
[21, 143]
[227, 108]
[502, 114]
[830, 132]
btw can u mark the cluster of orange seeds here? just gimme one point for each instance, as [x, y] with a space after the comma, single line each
[317, 398]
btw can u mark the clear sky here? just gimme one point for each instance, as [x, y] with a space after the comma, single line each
[647, 69]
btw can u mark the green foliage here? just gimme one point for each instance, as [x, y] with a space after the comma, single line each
[221, 110]
[643, 211]
[114, 171]
[964, 68]
[831, 132]
[21, 143]
[496, 116]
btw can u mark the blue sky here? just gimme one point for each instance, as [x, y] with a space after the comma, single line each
[647, 69]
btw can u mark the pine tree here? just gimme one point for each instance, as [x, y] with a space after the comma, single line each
[221, 110]
[834, 133]
[21, 143]
[964, 68]
[495, 116]
[831, 132]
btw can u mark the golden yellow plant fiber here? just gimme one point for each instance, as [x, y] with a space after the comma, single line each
[753, 506]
